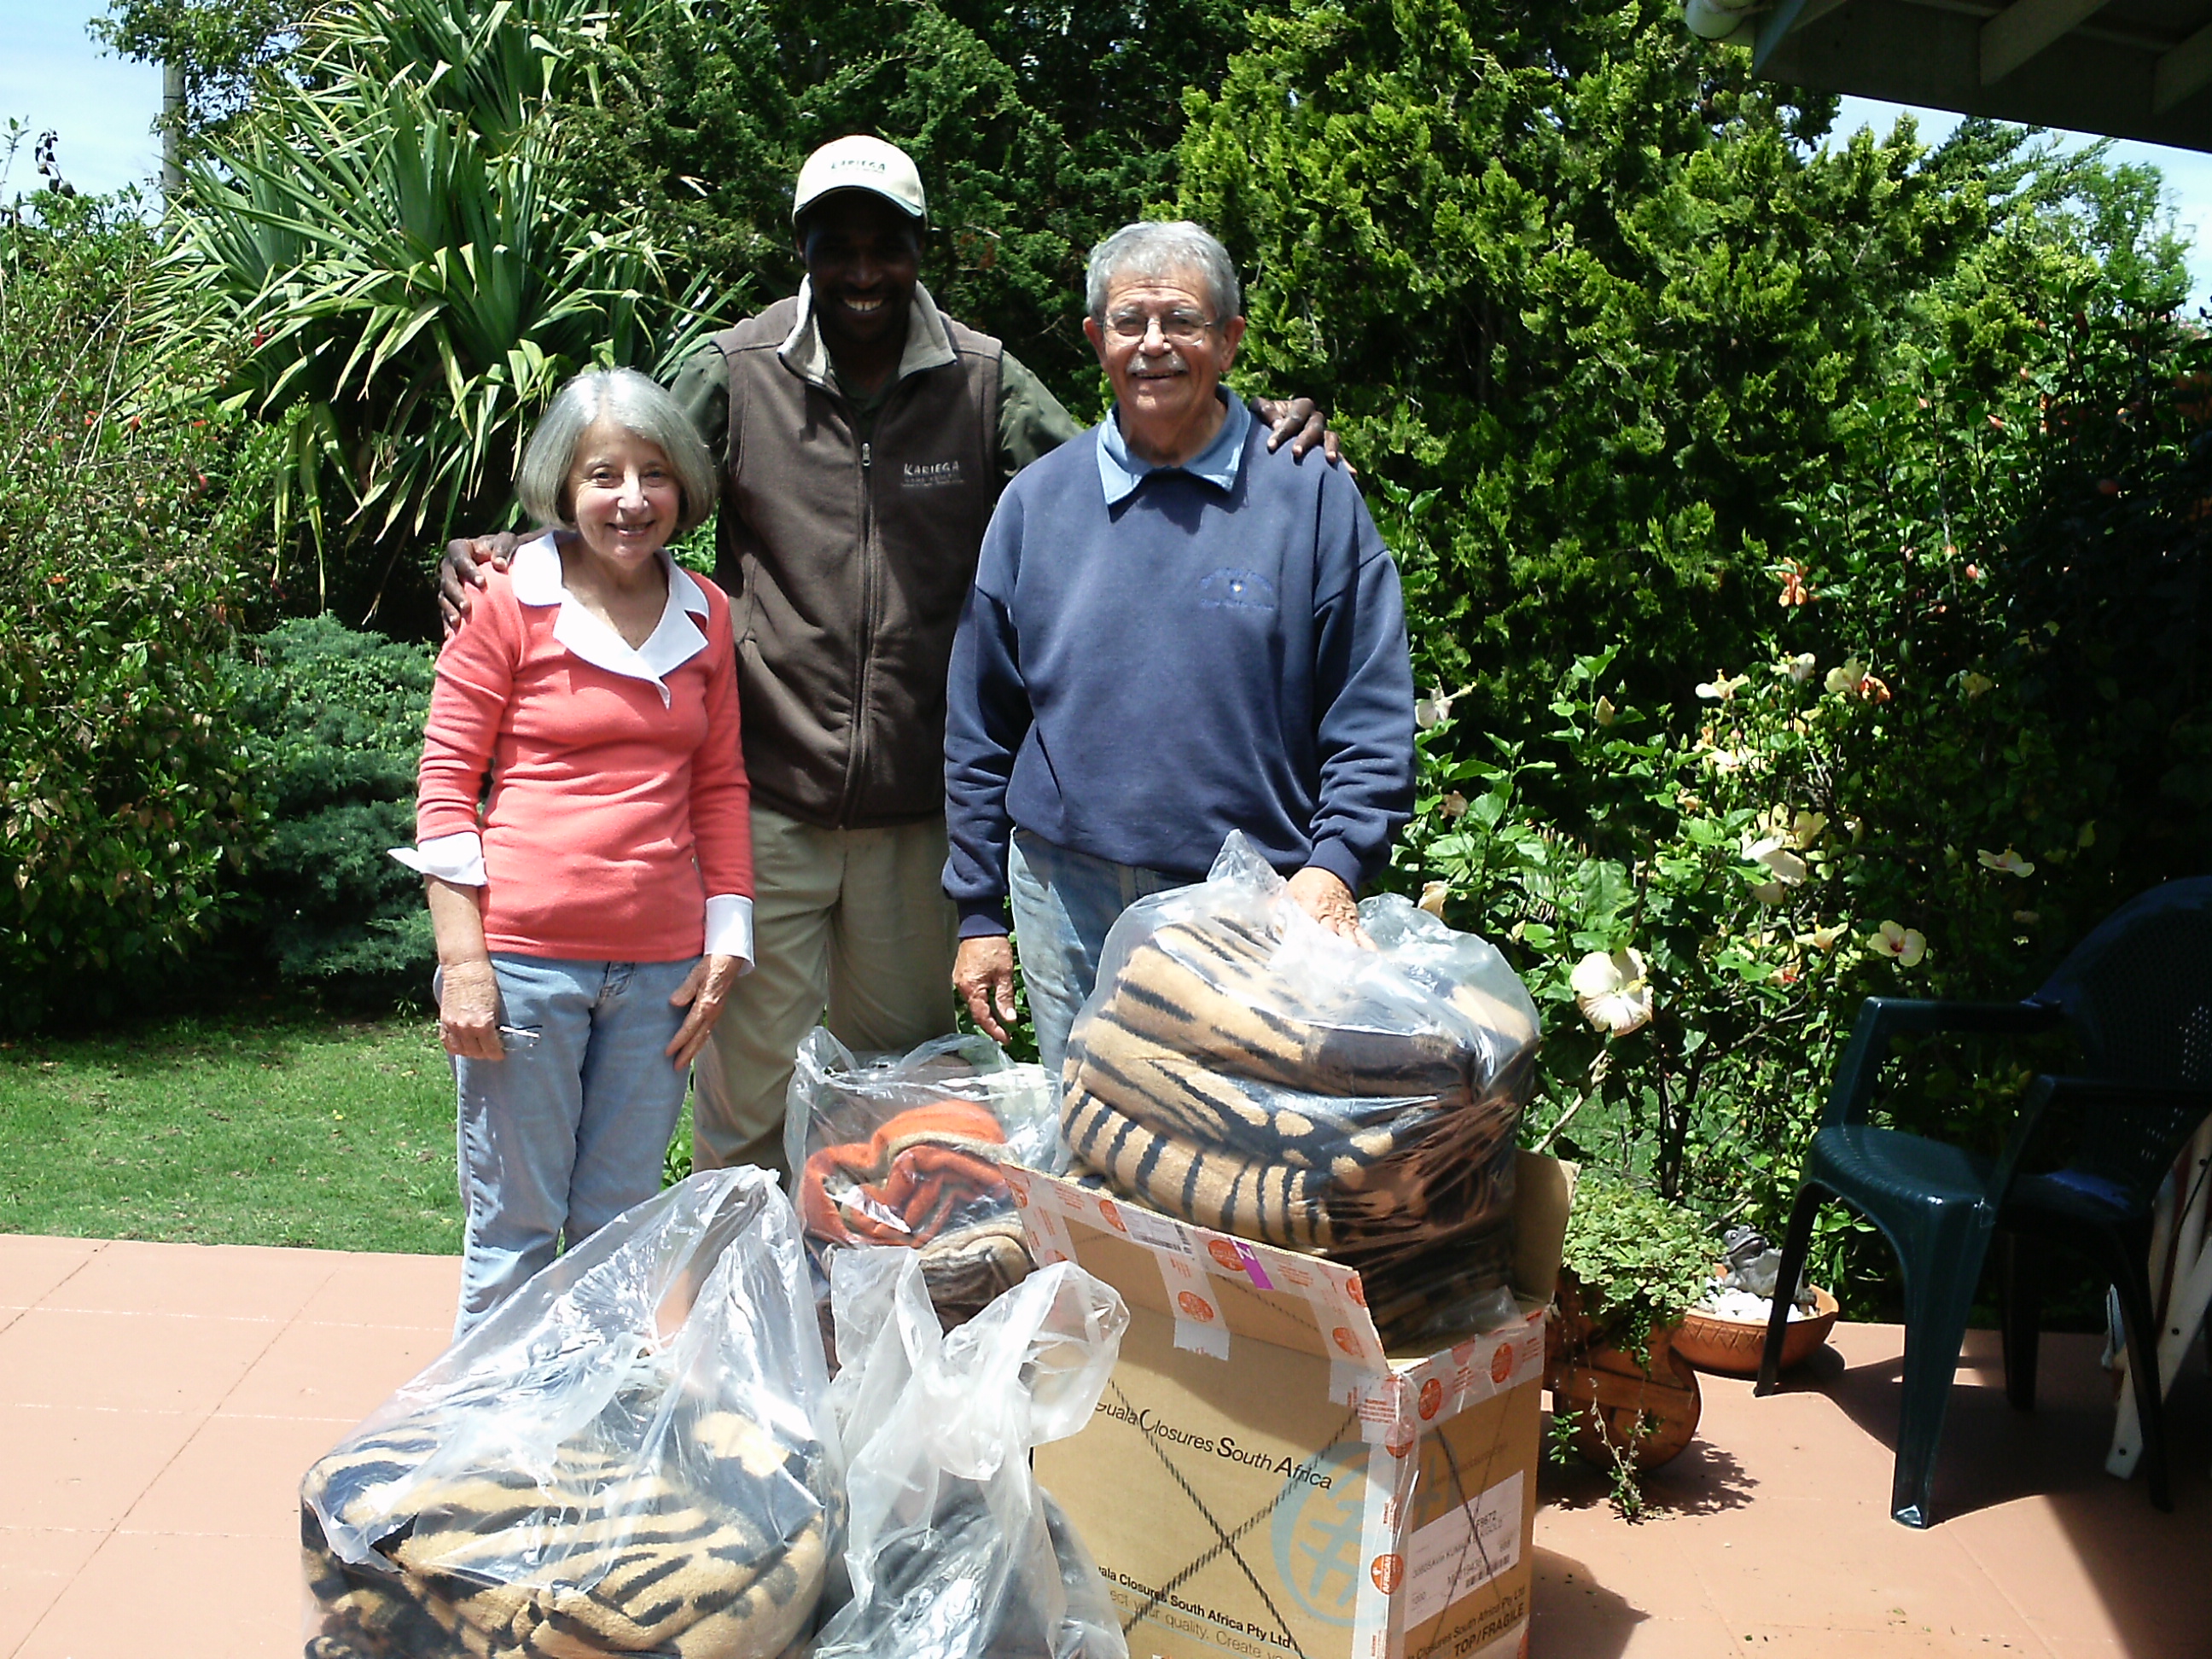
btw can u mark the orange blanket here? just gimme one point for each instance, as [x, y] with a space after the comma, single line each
[923, 1169]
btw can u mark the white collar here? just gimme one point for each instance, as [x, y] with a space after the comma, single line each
[928, 345]
[535, 572]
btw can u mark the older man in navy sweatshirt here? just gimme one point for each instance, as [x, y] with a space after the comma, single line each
[1172, 634]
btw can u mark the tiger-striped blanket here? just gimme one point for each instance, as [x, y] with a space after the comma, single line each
[717, 1550]
[1204, 1083]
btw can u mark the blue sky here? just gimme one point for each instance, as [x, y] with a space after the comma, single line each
[54, 75]
[2187, 174]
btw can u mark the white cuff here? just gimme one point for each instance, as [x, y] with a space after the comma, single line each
[730, 927]
[458, 857]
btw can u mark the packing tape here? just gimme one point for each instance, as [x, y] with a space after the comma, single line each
[1513, 1644]
[1191, 1299]
[1042, 1217]
[1351, 1364]
[1382, 1570]
[1199, 1328]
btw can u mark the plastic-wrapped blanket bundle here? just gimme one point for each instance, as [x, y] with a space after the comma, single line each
[1240, 1066]
[906, 1150]
[954, 1551]
[631, 1456]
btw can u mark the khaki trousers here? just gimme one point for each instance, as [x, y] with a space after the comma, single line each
[855, 921]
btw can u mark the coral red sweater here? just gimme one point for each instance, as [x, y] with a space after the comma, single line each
[611, 815]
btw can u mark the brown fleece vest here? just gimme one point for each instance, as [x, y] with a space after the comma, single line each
[847, 565]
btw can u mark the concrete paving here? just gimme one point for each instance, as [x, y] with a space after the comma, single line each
[158, 1402]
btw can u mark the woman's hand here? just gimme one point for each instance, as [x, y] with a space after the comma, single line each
[468, 1011]
[704, 990]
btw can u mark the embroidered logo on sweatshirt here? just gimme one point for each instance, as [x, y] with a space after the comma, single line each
[929, 475]
[1236, 590]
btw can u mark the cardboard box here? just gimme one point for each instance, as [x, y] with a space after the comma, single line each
[1261, 1481]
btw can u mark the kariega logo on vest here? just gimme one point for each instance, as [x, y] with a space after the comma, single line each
[929, 475]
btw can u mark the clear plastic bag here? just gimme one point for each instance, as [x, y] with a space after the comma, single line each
[1242, 1067]
[954, 1551]
[632, 1455]
[906, 1150]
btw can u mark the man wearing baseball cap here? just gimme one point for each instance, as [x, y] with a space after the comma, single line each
[863, 438]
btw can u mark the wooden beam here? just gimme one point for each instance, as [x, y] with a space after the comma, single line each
[2025, 28]
[1789, 16]
[2182, 71]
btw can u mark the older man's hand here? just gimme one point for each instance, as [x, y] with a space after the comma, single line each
[983, 975]
[1324, 897]
[461, 570]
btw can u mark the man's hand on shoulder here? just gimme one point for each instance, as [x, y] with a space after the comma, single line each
[1301, 421]
[462, 570]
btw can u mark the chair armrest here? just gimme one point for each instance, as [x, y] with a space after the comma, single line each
[1883, 1018]
[2187, 1104]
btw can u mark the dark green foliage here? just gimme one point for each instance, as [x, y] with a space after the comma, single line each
[1580, 275]
[125, 810]
[335, 725]
[380, 233]
[1037, 131]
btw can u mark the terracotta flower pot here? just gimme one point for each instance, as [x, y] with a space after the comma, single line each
[1647, 1413]
[1733, 1346]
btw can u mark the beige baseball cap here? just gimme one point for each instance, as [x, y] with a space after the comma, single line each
[859, 162]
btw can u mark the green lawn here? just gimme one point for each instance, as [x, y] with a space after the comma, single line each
[250, 1130]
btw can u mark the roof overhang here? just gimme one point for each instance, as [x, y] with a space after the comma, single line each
[2129, 69]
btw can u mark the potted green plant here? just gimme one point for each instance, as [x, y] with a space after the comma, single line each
[1633, 1264]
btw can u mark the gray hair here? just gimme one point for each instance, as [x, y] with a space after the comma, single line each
[637, 404]
[1158, 248]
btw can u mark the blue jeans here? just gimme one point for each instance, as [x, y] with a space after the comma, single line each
[1064, 903]
[571, 1128]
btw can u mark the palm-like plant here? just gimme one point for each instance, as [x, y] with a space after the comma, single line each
[380, 236]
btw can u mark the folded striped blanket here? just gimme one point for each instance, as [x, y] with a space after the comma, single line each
[1369, 1116]
[717, 1550]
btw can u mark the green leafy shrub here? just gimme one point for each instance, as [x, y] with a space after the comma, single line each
[1582, 283]
[1969, 730]
[382, 230]
[334, 720]
[1639, 1262]
[126, 811]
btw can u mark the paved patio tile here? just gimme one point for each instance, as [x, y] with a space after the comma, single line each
[159, 1404]
[329, 1371]
[161, 1596]
[416, 1292]
[70, 1466]
[36, 1566]
[227, 1281]
[239, 1476]
[31, 1266]
[1901, 1640]
[131, 1361]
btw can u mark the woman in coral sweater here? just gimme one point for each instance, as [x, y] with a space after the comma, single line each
[592, 906]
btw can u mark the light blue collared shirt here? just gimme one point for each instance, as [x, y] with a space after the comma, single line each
[1120, 470]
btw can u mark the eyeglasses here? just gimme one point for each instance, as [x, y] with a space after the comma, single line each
[1176, 327]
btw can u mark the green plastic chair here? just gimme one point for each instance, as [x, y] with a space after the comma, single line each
[2137, 996]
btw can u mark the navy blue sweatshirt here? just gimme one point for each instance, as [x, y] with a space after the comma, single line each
[1134, 679]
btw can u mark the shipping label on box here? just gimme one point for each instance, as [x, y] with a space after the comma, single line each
[1260, 1478]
